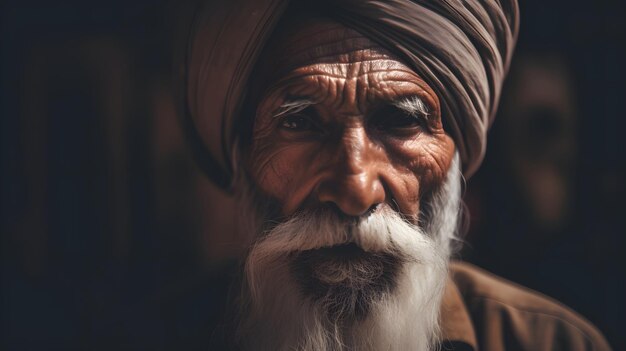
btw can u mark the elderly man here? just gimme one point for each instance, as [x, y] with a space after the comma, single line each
[344, 129]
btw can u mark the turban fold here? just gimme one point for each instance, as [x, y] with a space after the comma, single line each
[461, 48]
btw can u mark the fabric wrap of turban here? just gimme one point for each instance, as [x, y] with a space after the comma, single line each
[461, 48]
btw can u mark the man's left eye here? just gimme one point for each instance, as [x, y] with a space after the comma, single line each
[396, 121]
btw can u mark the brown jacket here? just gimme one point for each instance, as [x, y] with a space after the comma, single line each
[483, 312]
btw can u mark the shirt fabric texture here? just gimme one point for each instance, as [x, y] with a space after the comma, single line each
[481, 311]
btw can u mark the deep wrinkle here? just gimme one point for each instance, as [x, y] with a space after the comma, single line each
[347, 161]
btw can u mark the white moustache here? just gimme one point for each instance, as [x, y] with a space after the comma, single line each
[382, 232]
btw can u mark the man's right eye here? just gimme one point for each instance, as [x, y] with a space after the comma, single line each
[298, 123]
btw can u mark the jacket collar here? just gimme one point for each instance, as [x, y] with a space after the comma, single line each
[457, 330]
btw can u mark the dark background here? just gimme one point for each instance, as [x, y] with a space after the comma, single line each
[104, 213]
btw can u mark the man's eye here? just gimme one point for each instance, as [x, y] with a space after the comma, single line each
[398, 122]
[297, 123]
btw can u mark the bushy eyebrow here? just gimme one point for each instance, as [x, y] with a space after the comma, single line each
[413, 105]
[291, 106]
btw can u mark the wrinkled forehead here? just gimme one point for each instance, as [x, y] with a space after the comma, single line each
[297, 43]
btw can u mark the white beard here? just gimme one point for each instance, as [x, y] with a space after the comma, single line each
[389, 300]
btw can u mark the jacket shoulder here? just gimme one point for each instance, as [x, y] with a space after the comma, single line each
[508, 316]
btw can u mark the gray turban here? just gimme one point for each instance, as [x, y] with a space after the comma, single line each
[461, 48]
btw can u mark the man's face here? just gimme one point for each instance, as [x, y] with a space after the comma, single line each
[347, 142]
[345, 123]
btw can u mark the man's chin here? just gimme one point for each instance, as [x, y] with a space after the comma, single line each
[345, 279]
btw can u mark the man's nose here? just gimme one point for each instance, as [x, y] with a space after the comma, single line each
[353, 181]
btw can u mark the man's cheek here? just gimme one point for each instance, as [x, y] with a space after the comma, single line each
[275, 168]
[431, 161]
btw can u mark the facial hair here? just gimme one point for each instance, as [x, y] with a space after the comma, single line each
[320, 281]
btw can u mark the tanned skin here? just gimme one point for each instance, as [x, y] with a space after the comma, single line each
[352, 147]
